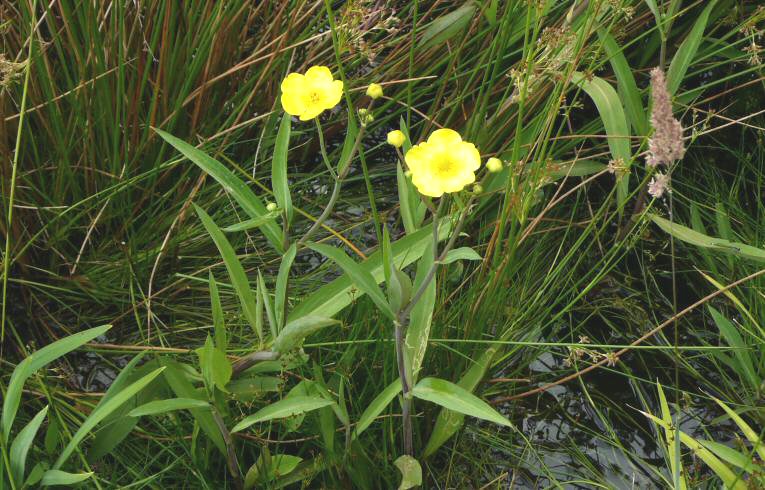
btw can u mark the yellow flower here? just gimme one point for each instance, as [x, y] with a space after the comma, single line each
[375, 90]
[311, 94]
[396, 138]
[442, 164]
[494, 165]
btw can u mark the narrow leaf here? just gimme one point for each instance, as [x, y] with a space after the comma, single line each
[377, 406]
[279, 180]
[243, 195]
[284, 408]
[21, 445]
[98, 415]
[687, 50]
[163, 406]
[296, 331]
[280, 293]
[234, 267]
[58, 477]
[451, 396]
[360, 277]
[34, 363]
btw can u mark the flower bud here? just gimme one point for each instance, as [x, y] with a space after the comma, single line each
[375, 90]
[477, 189]
[271, 207]
[396, 138]
[494, 165]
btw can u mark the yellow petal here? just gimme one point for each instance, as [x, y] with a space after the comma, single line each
[444, 137]
[416, 157]
[311, 112]
[293, 103]
[468, 153]
[293, 82]
[319, 73]
[427, 185]
[333, 94]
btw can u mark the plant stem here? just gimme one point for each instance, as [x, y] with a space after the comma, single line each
[233, 465]
[14, 167]
[400, 332]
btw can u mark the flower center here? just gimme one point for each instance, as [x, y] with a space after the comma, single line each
[314, 97]
[445, 167]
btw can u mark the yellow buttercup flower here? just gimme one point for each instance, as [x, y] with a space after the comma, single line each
[309, 95]
[444, 163]
[375, 90]
[396, 138]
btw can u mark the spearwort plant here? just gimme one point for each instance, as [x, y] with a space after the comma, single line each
[439, 168]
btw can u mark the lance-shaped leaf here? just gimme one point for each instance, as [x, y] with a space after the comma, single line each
[615, 123]
[687, 50]
[234, 268]
[34, 363]
[242, 194]
[361, 278]
[279, 180]
[219, 326]
[282, 279]
[58, 477]
[98, 415]
[296, 331]
[451, 396]
[158, 407]
[21, 445]
[375, 408]
[284, 408]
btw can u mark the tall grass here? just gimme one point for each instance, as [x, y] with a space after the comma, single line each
[102, 228]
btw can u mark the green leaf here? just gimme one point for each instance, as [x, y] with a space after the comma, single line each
[625, 83]
[279, 180]
[116, 427]
[234, 267]
[283, 408]
[411, 472]
[34, 363]
[242, 194]
[216, 369]
[380, 402]
[331, 298]
[276, 466]
[264, 301]
[687, 50]
[21, 445]
[579, 168]
[462, 253]
[451, 396]
[361, 278]
[103, 410]
[751, 435]
[58, 477]
[219, 327]
[447, 26]
[421, 318]
[163, 406]
[252, 222]
[693, 237]
[730, 455]
[350, 139]
[184, 389]
[730, 480]
[741, 353]
[614, 121]
[296, 331]
[282, 279]
[448, 421]
[491, 12]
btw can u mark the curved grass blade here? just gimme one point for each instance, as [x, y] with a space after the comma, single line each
[21, 445]
[380, 402]
[163, 406]
[687, 50]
